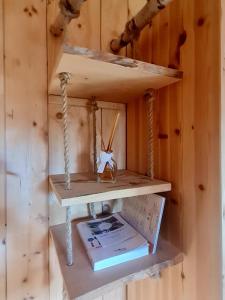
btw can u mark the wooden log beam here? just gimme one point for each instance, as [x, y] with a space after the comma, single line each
[137, 23]
[69, 9]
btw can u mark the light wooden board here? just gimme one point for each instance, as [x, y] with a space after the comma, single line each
[85, 189]
[2, 166]
[97, 73]
[26, 144]
[82, 283]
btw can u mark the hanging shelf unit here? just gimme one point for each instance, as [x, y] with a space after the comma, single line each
[113, 78]
[107, 76]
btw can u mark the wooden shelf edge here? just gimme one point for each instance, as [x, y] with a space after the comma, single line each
[100, 281]
[96, 74]
[122, 61]
[66, 198]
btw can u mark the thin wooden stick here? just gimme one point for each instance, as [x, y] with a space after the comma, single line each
[137, 23]
[113, 132]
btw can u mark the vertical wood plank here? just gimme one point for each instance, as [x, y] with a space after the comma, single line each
[207, 167]
[189, 198]
[187, 115]
[85, 31]
[55, 277]
[26, 142]
[114, 15]
[2, 165]
[222, 136]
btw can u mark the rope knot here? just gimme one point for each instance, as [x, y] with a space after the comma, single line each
[64, 78]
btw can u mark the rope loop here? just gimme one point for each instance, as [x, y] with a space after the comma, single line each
[64, 78]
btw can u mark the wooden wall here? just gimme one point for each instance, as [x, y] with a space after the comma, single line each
[222, 135]
[187, 36]
[2, 166]
[25, 110]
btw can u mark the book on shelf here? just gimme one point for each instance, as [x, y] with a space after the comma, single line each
[123, 237]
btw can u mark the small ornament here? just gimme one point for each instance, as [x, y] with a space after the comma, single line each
[107, 167]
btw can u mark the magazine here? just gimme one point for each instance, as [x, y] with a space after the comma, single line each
[110, 241]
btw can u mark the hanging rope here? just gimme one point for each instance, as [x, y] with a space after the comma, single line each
[150, 97]
[64, 81]
[94, 108]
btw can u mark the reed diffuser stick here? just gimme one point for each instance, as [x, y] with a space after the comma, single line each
[113, 132]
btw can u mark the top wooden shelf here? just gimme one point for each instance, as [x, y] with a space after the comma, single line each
[107, 76]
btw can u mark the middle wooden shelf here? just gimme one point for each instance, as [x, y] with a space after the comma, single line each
[85, 189]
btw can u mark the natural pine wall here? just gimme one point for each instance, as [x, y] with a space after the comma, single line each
[25, 208]
[186, 35]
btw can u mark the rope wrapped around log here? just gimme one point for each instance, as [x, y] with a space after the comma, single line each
[134, 27]
[69, 9]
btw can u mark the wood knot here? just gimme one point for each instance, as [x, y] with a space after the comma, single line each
[160, 5]
[59, 115]
[174, 201]
[30, 11]
[163, 136]
[177, 131]
[172, 66]
[201, 187]
[201, 21]
[182, 38]
[182, 275]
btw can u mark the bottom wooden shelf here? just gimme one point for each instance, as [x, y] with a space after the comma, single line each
[82, 283]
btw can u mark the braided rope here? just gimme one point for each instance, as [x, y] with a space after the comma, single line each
[64, 80]
[94, 108]
[150, 97]
[69, 243]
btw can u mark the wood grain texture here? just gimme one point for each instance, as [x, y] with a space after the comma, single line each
[114, 14]
[26, 142]
[82, 283]
[222, 45]
[188, 153]
[2, 165]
